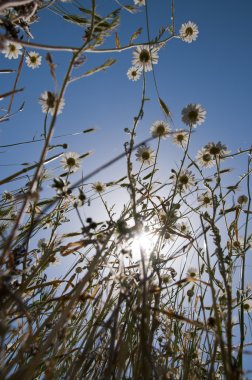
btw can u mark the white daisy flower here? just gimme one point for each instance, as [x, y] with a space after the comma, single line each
[160, 129]
[33, 60]
[139, 2]
[183, 228]
[189, 32]
[180, 138]
[134, 73]
[185, 180]
[192, 272]
[48, 103]
[205, 199]
[145, 155]
[99, 187]
[12, 50]
[247, 305]
[71, 161]
[193, 115]
[216, 149]
[205, 159]
[144, 57]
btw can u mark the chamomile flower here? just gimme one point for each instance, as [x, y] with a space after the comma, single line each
[145, 155]
[193, 115]
[183, 228]
[180, 137]
[242, 200]
[144, 57]
[192, 272]
[185, 180]
[189, 32]
[139, 2]
[12, 50]
[48, 101]
[205, 159]
[160, 129]
[99, 187]
[33, 60]
[216, 149]
[134, 73]
[71, 161]
[247, 305]
[205, 199]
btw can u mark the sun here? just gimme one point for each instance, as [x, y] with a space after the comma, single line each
[141, 247]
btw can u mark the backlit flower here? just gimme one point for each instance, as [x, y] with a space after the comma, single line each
[99, 187]
[189, 32]
[160, 129]
[185, 180]
[144, 57]
[134, 73]
[192, 272]
[193, 115]
[205, 159]
[71, 161]
[180, 138]
[205, 199]
[247, 305]
[48, 101]
[145, 155]
[33, 60]
[12, 50]
[216, 149]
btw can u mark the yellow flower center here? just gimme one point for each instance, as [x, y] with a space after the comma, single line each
[145, 155]
[71, 161]
[144, 56]
[189, 31]
[183, 179]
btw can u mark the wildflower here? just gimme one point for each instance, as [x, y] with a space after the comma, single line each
[71, 161]
[242, 200]
[185, 180]
[160, 129]
[189, 32]
[216, 149]
[12, 50]
[144, 57]
[145, 155]
[134, 73]
[247, 305]
[139, 2]
[180, 138]
[33, 60]
[192, 272]
[7, 196]
[205, 199]
[183, 228]
[48, 102]
[99, 187]
[205, 159]
[193, 115]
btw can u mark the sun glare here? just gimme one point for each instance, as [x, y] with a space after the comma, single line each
[141, 243]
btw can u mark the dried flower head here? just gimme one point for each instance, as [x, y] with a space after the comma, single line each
[144, 57]
[12, 50]
[160, 129]
[48, 101]
[71, 161]
[145, 155]
[33, 60]
[193, 115]
[189, 32]
[134, 73]
[242, 200]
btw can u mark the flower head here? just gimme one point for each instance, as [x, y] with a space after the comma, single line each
[48, 101]
[145, 155]
[33, 60]
[205, 199]
[139, 2]
[160, 129]
[192, 272]
[247, 305]
[134, 73]
[99, 187]
[12, 50]
[242, 200]
[71, 161]
[189, 32]
[180, 137]
[184, 180]
[205, 159]
[193, 115]
[216, 149]
[144, 57]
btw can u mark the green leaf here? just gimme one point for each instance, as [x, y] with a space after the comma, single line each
[109, 62]
[164, 107]
[135, 35]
